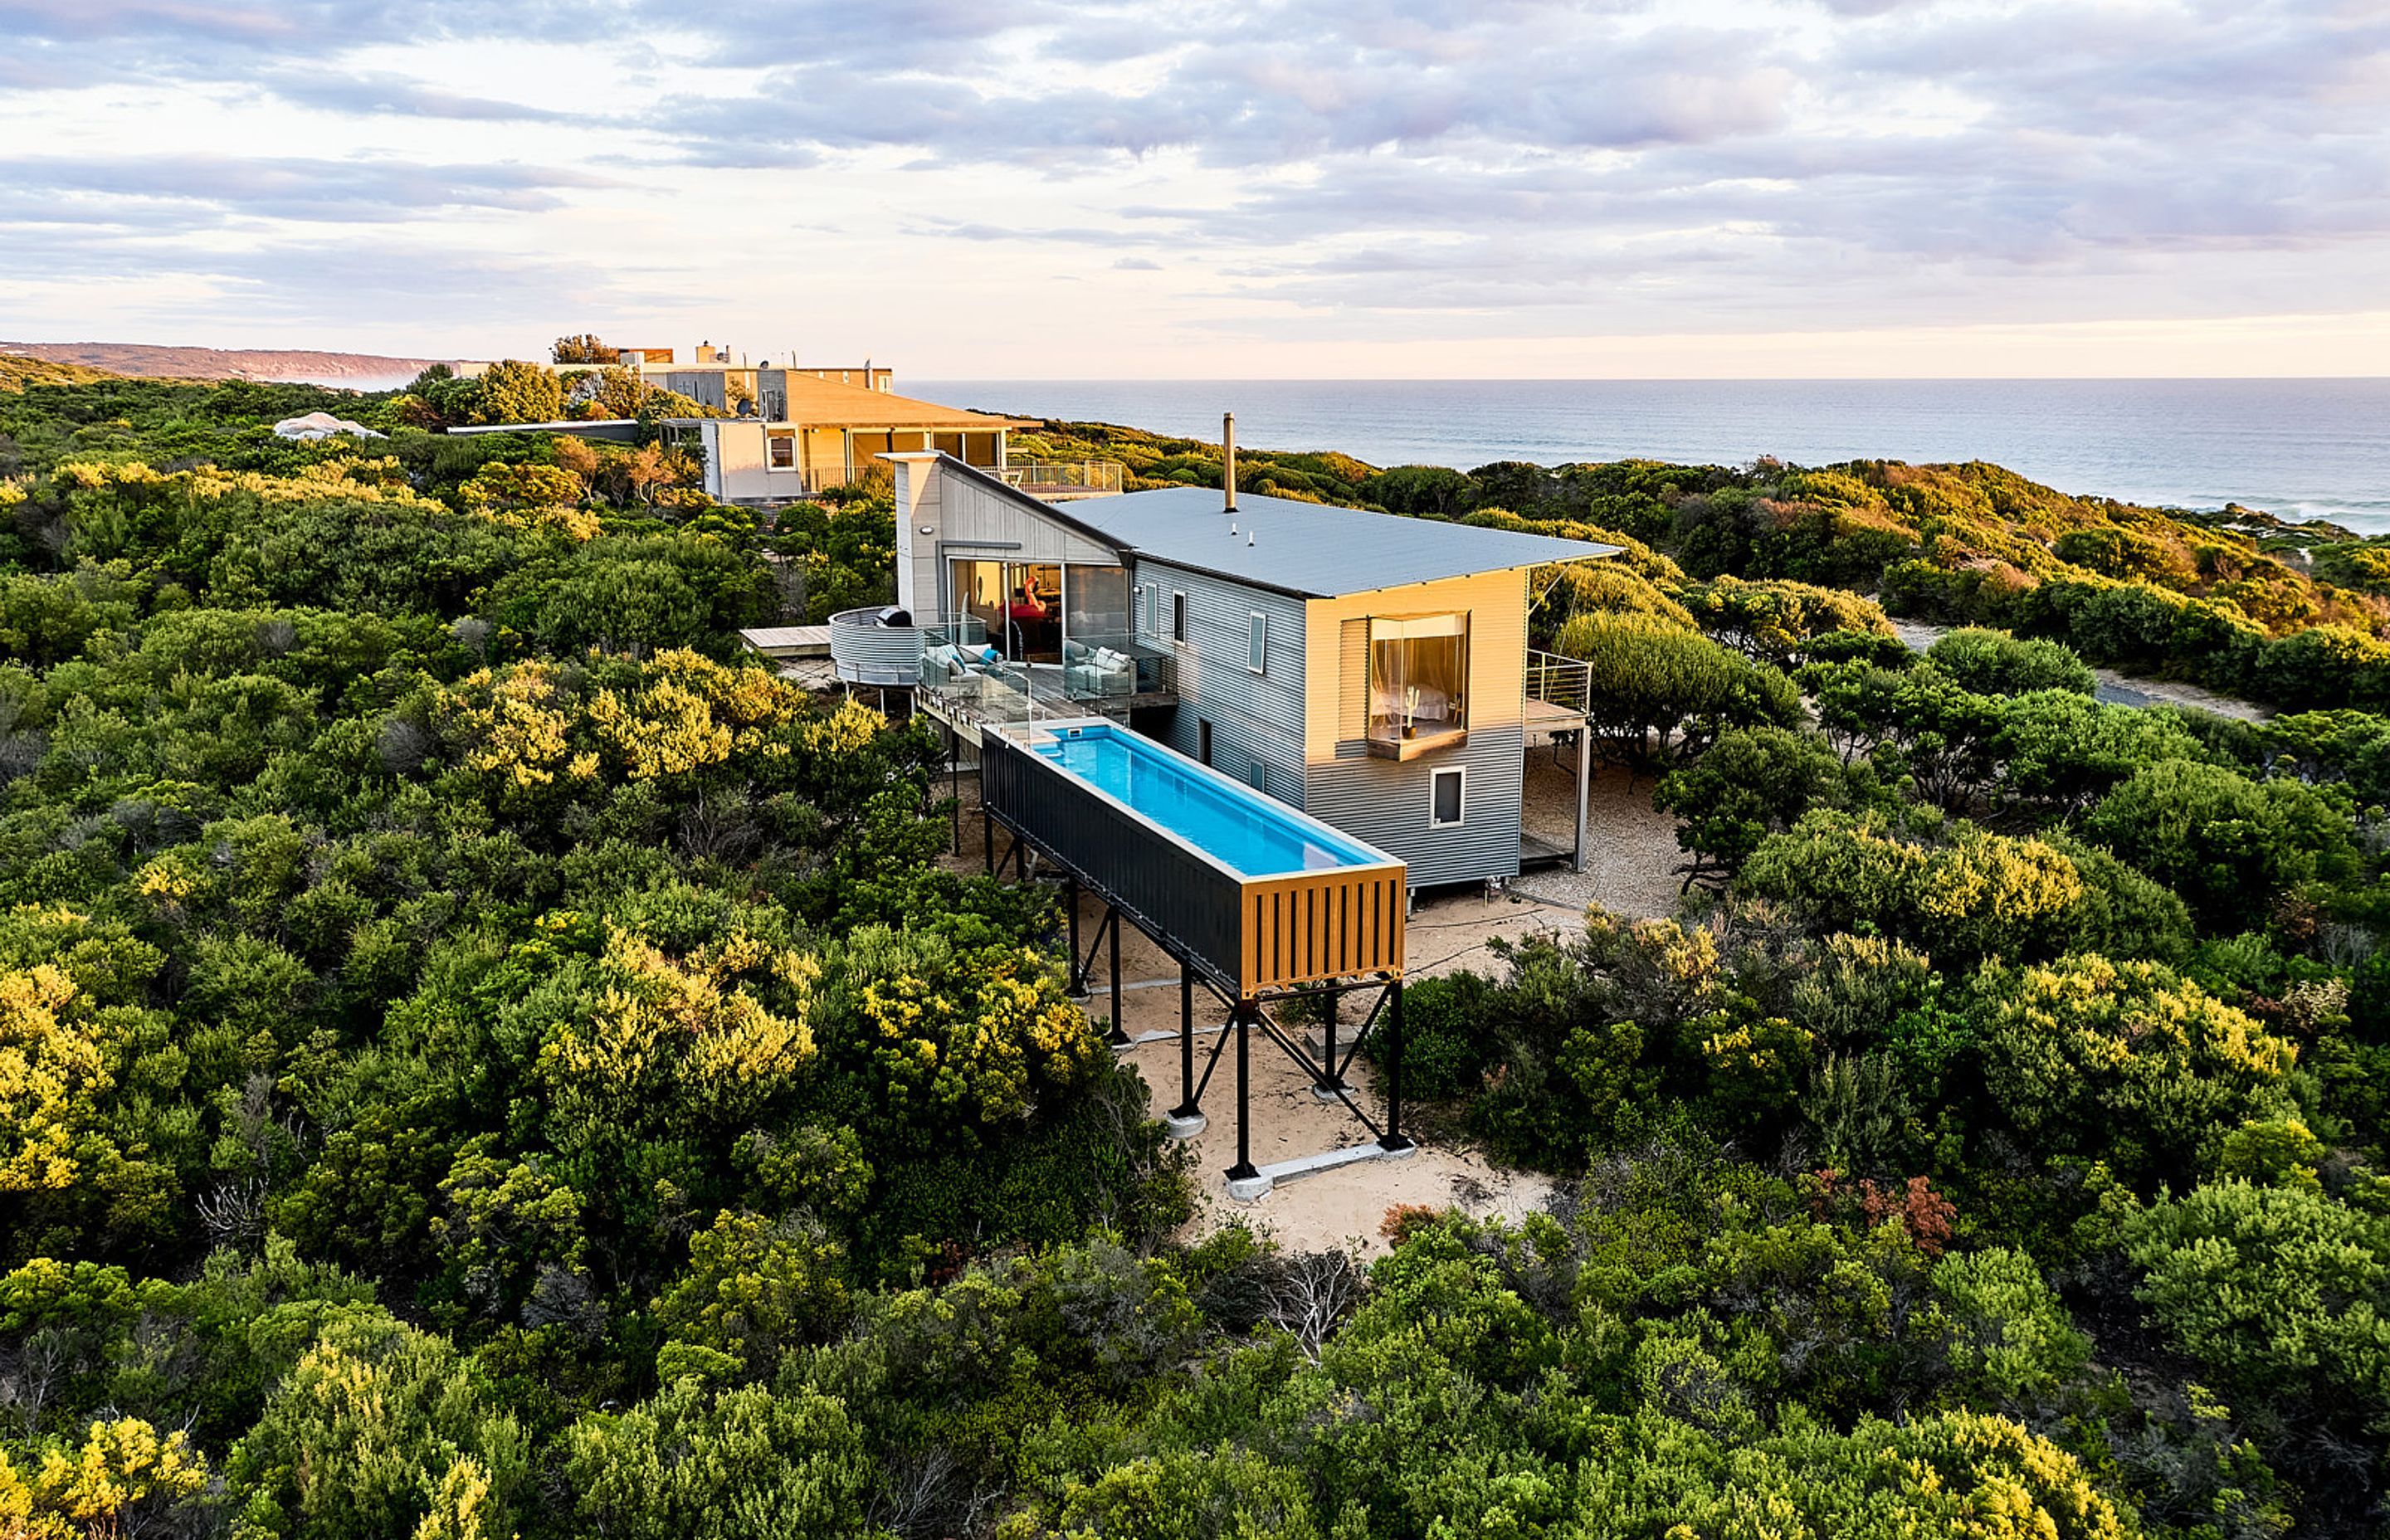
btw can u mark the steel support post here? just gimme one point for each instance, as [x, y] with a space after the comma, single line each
[1393, 1139]
[1583, 790]
[1185, 1108]
[1241, 1023]
[1120, 1035]
[1332, 1077]
[1071, 900]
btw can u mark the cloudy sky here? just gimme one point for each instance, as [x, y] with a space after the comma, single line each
[1305, 188]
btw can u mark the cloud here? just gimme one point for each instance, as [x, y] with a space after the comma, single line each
[212, 189]
[383, 91]
[1507, 165]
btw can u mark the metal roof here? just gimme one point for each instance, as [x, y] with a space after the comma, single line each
[1309, 549]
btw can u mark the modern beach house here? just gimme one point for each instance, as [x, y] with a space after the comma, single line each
[813, 434]
[1249, 727]
[1369, 670]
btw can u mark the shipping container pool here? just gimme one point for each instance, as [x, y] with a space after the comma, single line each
[1256, 893]
[1250, 833]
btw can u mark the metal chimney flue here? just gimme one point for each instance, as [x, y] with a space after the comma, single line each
[1228, 461]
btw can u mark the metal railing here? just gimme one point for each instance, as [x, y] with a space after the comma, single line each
[1566, 683]
[1065, 477]
[1000, 690]
[820, 479]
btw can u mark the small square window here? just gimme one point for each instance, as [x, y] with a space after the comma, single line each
[1257, 645]
[1447, 793]
[783, 448]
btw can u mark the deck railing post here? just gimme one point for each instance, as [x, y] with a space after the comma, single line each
[1241, 1023]
[1394, 1139]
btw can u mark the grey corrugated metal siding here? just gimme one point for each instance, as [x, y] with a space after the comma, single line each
[1254, 717]
[1385, 802]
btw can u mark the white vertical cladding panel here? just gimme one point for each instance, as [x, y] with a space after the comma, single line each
[1254, 717]
[919, 519]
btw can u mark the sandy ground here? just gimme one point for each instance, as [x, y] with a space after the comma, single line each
[1631, 855]
[1342, 1208]
[2119, 689]
[1345, 1207]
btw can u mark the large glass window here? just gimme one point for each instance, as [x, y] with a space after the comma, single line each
[1419, 683]
[1095, 606]
[978, 595]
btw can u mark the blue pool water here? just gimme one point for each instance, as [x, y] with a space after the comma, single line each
[1247, 832]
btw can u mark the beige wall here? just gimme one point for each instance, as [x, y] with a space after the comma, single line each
[1497, 605]
[739, 469]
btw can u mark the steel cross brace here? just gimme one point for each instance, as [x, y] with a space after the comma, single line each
[1303, 1061]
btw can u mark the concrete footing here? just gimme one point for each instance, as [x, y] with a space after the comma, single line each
[1176, 1127]
[1253, 1190]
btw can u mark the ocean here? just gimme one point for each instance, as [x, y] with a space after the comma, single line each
[2295, 448]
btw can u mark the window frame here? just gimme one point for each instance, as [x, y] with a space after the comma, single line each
[1383, 743]
[1178, 616]
[1257, 643]
[1460, 774]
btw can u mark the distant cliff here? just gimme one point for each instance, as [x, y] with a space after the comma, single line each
[356, 370]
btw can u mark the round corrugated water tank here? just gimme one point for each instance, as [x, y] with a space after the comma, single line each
[867, 649]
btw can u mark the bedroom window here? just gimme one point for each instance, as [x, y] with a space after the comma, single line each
[1447, 797]
[1419, 683]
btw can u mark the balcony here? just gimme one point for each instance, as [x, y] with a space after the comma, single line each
[1560, 692]
[963, 683]
[1065, 481]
